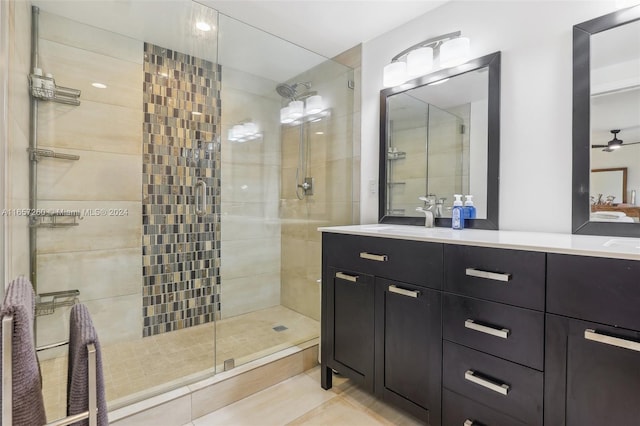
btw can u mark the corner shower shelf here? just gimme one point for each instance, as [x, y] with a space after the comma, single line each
[54, 300]
[36, 154]
[46, 89]
[36, 221]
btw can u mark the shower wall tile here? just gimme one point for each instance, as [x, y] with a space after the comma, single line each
[95, 176]
[250, 192]
[249, 182]
[96, 126]
[93, 232]
[82, 36]
[55, 327]
[245, 258]
[16, 185]
[100, 274]
[249, 227]
[78, 68]
[181, 251]
[247, 294]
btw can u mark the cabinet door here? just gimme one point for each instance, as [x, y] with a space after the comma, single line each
[350, 324]
[409, 348]
[592, 374]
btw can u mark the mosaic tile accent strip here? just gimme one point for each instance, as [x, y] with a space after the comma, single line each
[180, 250]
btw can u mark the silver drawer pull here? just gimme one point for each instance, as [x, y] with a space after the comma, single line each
[501, 388]
[496, 276]
[376, 257]
[610, 340]
[498, 332]
[347, 277]
[404, 292]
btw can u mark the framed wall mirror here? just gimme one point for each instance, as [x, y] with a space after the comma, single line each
[440, 136]
[606, 124]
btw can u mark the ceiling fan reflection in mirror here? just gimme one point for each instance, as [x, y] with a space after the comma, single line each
[614, 143]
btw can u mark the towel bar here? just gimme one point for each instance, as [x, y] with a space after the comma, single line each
[7, 381]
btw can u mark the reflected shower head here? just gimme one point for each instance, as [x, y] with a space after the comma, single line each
[289, 91]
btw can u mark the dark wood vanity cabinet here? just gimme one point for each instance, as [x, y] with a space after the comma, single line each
[408, 355]
[493, 327]
[350, 324]
[466, 335]
[387, 332]
[592, 351]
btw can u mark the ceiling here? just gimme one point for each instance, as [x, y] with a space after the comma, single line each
[275, 40]
[327, 27]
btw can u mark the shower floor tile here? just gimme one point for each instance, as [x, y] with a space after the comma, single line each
[137, 369]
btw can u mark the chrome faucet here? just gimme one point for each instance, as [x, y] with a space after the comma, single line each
[426, 209]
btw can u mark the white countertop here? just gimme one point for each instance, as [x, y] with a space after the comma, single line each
[585, 245]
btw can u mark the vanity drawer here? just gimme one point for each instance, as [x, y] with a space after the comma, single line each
[510, 276]
[516, 334]
[608, 289]
[460, 411]
[502, 385]
[413, 262]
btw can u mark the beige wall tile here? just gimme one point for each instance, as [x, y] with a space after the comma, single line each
[66, 31]
[118, 318]
[77, 68]
[209, 399]
[95, 176]
[176, 412]
[250, 183]
[97, 274]
[248, 294]
[92, 126]
[94, 232]
[272, 406]
[244, 258]
[249, 227]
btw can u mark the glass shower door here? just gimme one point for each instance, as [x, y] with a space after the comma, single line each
[133, 201]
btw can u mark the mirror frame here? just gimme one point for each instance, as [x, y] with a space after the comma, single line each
[490, 61]
[582, 126]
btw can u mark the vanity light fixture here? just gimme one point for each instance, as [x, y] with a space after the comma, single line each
[244, 132]
[444, 51]
[312, 108]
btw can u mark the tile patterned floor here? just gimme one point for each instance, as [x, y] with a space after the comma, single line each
[301, 401]
[155, 364]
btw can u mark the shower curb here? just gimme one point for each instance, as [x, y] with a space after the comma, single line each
[183, 405]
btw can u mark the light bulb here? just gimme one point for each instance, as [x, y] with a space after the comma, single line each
[250, 128]
[296, 109]
[419, 61]
[394, 74]
[314, 105]
[285, 115]
[455, 52]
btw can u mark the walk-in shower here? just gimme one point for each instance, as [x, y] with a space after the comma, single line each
[194, 253]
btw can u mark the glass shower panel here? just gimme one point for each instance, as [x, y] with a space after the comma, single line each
[446, 156]
[132, 219]
[270, 265]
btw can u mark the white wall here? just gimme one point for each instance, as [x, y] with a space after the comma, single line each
[535, 38]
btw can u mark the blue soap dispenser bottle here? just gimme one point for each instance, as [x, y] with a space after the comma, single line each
[469, 208]
[457, 214]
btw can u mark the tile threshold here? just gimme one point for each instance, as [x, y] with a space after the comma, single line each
[165, 397]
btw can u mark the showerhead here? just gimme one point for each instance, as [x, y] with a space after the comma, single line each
[290, 91]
